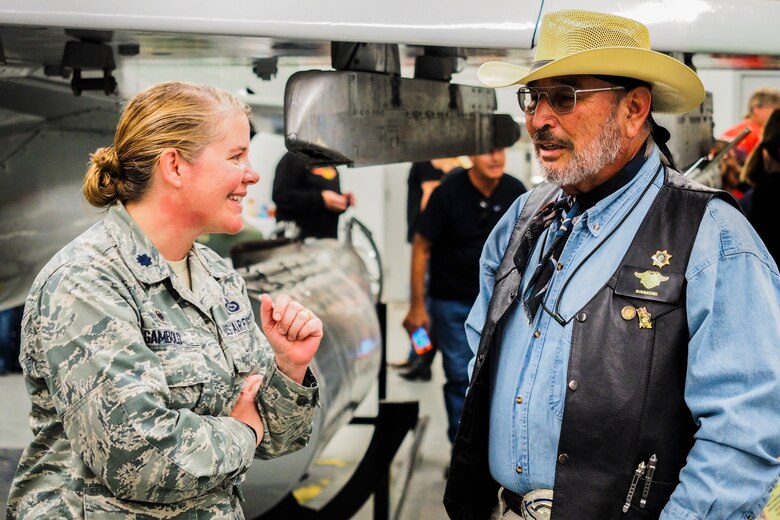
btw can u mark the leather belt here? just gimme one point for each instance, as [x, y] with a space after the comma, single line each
[534, 505]
[513, 501]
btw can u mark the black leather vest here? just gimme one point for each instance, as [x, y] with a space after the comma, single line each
[625, 400]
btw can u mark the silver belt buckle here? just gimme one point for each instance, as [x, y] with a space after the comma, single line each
[537, 504]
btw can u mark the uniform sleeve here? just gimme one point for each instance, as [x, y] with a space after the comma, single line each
[110, 390]
[733, 380]
[290, 192]
[287, 409]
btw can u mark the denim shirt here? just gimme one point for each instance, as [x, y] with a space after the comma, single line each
[733, 377]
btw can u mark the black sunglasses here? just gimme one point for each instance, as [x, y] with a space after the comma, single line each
[562, 98]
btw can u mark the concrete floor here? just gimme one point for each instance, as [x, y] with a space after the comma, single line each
[423, 492]
[426, 488]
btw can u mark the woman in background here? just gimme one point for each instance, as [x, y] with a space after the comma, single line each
[762, 170]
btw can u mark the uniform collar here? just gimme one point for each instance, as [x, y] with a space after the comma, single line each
[140, 254]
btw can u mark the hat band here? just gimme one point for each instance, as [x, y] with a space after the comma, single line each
[539, 64]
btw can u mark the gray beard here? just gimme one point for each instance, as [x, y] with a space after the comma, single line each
[588, 161]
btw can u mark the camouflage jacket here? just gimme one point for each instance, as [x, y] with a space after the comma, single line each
[132, 376]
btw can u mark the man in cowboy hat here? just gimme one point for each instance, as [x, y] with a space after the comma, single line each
[612, 377]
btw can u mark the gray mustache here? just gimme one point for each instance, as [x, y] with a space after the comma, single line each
[543, 135]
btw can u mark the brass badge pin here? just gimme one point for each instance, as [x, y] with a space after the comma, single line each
[644, 318]
[628, 313]
[661, 258]
[651, 279]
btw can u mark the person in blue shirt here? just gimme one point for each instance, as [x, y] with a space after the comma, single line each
[627, 328]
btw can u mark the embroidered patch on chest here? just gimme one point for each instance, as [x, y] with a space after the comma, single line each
[237, 326]
[162, 337]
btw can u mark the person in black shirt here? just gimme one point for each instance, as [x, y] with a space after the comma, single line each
[424, 177]
[452, 230]
[311, 198]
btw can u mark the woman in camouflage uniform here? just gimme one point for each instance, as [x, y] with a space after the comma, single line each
[152, 387]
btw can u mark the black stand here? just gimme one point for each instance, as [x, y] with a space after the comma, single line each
[372, 476]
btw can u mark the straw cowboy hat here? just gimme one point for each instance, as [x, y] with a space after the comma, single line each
[583, 42]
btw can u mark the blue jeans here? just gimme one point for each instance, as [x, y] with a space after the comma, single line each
[448, 318]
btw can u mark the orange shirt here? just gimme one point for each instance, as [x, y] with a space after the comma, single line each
[750, 141]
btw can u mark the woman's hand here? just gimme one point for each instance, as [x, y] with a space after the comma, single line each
[245, 409]
[294, 333]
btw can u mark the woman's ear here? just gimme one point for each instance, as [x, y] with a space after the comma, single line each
[638, 102]
[170, 165]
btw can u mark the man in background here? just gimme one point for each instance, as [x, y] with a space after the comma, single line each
[452, 230]
[311, 198]
[424, 177]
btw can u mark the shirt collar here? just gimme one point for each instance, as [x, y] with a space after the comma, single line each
[614, 183]
[600, 216]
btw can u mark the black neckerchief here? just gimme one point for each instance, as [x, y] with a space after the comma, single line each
[614, 183]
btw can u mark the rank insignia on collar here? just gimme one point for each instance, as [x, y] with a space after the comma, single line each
[661, 258]
[644, 318]
[144, 260]
[651, 279]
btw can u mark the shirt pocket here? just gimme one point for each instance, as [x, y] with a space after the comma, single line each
[185, 368]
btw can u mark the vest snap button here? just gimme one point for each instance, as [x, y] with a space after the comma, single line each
[582, 317]
[563, 458]
[573, 385]
[519, 468]
[537, 333]
[519, 399]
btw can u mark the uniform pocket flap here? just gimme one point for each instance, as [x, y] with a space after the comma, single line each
[182, 362]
